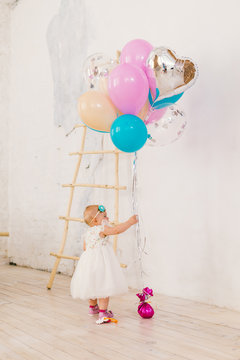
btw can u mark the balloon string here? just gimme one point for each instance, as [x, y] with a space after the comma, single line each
[141, 243]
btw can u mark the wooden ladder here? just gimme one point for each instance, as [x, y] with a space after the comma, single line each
[72, 186]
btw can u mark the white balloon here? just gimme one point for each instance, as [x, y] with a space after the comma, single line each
[97, 66]
[168, 129]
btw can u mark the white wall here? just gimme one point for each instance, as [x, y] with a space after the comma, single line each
[188, 191]
[42, 87]
[5, 12]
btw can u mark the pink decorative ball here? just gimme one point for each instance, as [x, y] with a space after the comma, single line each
[145, 310]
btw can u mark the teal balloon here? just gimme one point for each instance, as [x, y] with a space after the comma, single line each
[128, 133]
[167, 101]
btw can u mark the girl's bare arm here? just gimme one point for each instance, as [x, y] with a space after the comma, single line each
[120, 228]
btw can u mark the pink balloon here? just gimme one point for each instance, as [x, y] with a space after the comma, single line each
[151, 80]
[128, 88]
[136, 52]
[155, 115]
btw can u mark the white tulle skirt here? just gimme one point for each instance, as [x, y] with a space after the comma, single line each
[98, 274]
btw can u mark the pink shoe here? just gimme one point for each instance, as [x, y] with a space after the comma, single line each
[107, 314]
[93, 310]
[105, 317]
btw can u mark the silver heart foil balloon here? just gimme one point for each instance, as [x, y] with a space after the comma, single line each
[172, 75]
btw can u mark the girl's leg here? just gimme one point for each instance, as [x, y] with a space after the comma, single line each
[103, 303]
[93, 307]
[103, 310]
[92, 302]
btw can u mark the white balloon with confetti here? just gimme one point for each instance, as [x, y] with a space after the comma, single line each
[168, 128]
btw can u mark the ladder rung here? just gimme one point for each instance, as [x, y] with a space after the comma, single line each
[68, 218]
[97, 186]
[4, 233]
[74, 258]
[96, 152]
[79, 125]
[64, 256]
[71, 218]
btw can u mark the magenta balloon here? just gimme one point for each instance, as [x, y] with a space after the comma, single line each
[145, 310]
[155, 115]
[136, 52]
[128, 88]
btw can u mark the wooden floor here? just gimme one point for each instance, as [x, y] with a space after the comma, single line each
[41, 324]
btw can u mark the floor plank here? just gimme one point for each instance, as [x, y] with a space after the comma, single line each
[41, 324]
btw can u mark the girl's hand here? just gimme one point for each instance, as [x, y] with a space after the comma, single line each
[120, 228]
[133, 219]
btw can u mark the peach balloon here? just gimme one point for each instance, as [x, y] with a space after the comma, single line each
[103, 85]
[144, 110]
[96, 110]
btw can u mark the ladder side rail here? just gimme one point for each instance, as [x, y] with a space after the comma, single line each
[55, 267]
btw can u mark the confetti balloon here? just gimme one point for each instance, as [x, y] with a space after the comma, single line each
[168, 128]
[96, 70]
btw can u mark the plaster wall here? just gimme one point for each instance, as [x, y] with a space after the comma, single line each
[188, 191]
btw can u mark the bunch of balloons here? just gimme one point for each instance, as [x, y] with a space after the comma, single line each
[133, 97]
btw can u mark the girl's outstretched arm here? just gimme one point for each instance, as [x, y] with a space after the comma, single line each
[120, 228]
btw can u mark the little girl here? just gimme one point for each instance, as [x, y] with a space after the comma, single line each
[98, 274]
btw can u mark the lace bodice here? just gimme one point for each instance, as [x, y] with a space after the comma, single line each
[93, 238]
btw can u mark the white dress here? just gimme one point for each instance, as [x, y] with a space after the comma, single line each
[98, 273]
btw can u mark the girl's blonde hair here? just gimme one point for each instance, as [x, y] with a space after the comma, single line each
[89, 213]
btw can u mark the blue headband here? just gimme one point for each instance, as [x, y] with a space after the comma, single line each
[101, 208]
